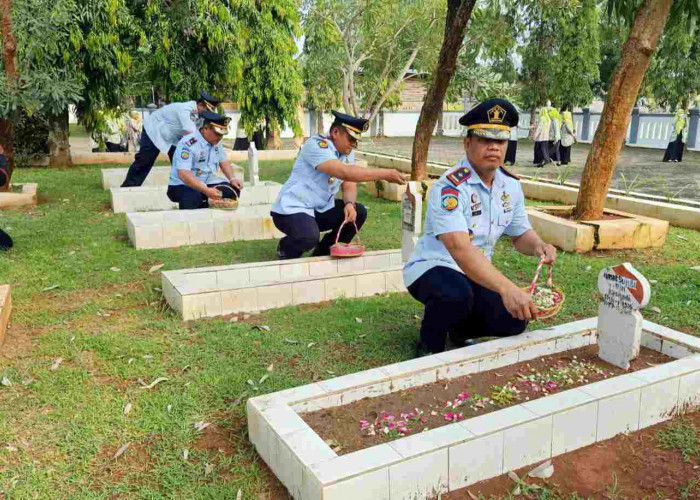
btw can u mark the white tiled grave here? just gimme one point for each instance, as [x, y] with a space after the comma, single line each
[422, 465]
[158, 176]
[153, 198]
[256, 286]
[175, 228]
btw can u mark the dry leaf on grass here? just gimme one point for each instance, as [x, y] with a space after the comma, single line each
[120, 451]
[358, 320]
[543, 471]
[56, 363]
[310, 344]
[262, 328]
[208, 469]
[127, 409]
[239, 495]
[239, 399]
[263, 378]
[115, 269]
[6, 382]
[155, 268]
[201, 425]
[155, 383]
[271, 367]
[49, 288]
[185, 454]
[290, 341]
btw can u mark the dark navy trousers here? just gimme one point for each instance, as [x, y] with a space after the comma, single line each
[303, 231]
[143, 161]
[465, 309]
[190, 199]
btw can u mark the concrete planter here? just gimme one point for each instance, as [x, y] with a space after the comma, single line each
[257, 286]
[26, 198]
[634, 231]
[681, 215]
[426, 464]
[158, 176]
[394, 192]
[128, 158]
[5, 310]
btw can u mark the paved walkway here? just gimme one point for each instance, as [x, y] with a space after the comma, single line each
[677, 180]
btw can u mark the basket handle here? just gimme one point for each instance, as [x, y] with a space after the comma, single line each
[357, 232]
[550, 282]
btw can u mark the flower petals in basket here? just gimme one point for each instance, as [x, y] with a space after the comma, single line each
[548, 298]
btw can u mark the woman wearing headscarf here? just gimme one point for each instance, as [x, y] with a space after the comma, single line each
[679, 133]
[541, 137]
[568, 134]
[133, 132]
[554, 135]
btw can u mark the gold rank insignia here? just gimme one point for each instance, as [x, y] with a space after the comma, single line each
[331, 180]
[496, 114]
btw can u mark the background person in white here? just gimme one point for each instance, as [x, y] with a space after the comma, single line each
[469, 208]
[162, 130]
[306, 204]
[193, 178]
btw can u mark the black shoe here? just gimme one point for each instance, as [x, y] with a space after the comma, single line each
[455, 340]
[421, 350]
[280, 253]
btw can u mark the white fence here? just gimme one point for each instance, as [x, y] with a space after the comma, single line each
[645, 129]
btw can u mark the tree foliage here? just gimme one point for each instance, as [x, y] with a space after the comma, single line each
[271, 87]
[371, 47]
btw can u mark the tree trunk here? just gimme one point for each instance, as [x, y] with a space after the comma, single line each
[319, 126]
[458, 14]
[7, 126]
[59, 145]
[272, 133]
[644, 36]
[533, 122]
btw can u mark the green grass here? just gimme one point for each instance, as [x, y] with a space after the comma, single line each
[112, 328]
[681, 435]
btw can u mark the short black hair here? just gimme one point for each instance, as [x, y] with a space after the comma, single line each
[335, 124]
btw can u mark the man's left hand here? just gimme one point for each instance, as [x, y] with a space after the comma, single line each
[236, 182]
[350, 212]
[546, 252]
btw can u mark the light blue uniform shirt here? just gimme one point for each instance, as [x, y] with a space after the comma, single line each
[467, 206]
[308, 189]
[195, 154]
[166, 126]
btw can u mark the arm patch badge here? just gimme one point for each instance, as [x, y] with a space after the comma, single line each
[184, 154]
[323, 144]
[459, 176]
[450, 198]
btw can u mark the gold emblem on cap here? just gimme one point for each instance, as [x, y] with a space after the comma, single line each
[496, 114]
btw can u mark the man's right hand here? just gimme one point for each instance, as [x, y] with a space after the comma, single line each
[519, 303]
[395, 177]
[213, 193]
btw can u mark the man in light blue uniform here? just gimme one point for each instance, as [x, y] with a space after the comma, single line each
[193, 179]
[162, 130]
[306, 204]
[469, 208]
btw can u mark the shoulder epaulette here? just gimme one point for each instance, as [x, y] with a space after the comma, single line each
[510, 174]
[459, 176]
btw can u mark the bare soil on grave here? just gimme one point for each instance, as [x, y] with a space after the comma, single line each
[629, 467]
[340, 426]
[568, 215]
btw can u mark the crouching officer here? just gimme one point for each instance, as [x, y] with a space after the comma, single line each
[469, 208]
[306, 204]
[161, 132]
[198, 155]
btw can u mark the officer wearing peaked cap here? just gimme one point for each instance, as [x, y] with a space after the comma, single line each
[162, 130]
[306, 204]
[193, 178]
[469, 208]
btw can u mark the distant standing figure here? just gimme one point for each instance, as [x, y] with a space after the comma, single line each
[568, 134]
[542, 137]
[133, 131]
[512, 147]
[554, 135]
[674, 151]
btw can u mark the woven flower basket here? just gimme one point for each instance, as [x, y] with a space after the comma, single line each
[345, 250]
[551, 311]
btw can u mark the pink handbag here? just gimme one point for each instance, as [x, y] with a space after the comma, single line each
[343, 250]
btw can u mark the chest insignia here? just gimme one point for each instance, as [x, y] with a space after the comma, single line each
[450, 198]
[474, 198]
[459, 176]
[506, 202]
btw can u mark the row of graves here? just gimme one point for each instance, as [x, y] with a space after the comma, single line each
[379, 434]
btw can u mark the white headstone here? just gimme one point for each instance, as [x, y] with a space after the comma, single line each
[253, 176]
[624, 291]
[411, 218]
